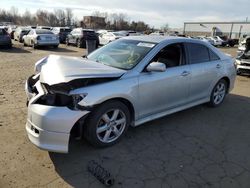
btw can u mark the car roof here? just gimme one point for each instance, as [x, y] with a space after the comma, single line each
[157, 38]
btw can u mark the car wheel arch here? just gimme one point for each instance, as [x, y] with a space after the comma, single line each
[227, 81]
[77, 128]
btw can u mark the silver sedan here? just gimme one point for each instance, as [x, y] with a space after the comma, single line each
[40, 37]
[126, 83]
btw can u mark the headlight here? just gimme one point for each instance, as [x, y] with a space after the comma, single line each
[62, 100]
[76, 99]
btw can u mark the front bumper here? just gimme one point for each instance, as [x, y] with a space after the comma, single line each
[243, 66]
[48, 127]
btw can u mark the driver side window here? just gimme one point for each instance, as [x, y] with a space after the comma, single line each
[171, 55]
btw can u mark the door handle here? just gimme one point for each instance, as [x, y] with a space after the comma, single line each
[185, 73]
[218, 66]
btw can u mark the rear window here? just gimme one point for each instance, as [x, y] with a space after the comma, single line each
[198, 53]
[40, 31]
[65, 30]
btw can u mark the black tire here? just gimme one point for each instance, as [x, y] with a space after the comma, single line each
[92, 123]
[67, 42]
[34, 46]
[55, 46]
[78, 43]
[213, 102]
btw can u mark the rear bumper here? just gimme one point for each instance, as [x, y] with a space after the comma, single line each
[47, 43]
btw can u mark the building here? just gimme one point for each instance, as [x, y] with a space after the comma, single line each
[230, 29]
[93, 22]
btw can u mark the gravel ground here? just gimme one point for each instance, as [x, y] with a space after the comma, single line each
[198, 147]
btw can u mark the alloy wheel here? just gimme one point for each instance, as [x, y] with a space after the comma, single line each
[111, 125]
[219, 93]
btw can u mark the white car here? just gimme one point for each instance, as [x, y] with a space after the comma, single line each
[40, 37]
[205, 39]
[108, 37]
[216, 42]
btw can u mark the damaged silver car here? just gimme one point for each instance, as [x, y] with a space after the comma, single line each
[126, 83]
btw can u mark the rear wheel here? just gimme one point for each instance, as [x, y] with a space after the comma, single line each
[34, 45]
[107, 124]
[67, 42]
[218, 94]
[79, 43]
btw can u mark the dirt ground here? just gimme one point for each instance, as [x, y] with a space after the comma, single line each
[198, 147]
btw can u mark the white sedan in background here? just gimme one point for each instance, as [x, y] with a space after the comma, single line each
[108, 37]
[41, 37]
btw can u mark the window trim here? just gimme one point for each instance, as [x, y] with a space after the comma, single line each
[184, 60]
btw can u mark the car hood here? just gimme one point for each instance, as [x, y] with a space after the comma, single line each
[62, 69]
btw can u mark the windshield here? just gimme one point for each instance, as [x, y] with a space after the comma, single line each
[123, 54]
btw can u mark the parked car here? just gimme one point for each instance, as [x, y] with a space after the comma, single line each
[61, 32]
[11, 30]
[78, 37]
[44, 27]
[5, 40]
[130, 81]
[41, 37]
[215, 41]
[225, 41]
[20, 32]
[243, 57]
[108, 37]
[205, 39]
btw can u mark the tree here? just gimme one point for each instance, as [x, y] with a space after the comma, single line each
[69, 16]
[165, 27]
[60, 14]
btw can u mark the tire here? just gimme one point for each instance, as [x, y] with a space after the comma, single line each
[56, 46]
[218, 93]
[67, 42]
[34, 46]
[78, 43]
[101, 118]
[24, 44]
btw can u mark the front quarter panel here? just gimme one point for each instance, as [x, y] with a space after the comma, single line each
[126, 88]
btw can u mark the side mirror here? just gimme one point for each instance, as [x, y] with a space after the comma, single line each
[156, 67]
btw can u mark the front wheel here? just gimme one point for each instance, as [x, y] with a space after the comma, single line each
[218, 94]
[107, 124]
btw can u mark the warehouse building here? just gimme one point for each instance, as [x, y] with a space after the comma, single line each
[231, 29]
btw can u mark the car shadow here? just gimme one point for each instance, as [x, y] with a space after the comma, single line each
[14, 50]
[174, 149]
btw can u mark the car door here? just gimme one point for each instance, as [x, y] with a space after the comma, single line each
[161, 91]
[205, 67]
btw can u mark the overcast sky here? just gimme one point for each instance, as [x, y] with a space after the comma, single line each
[154, 12]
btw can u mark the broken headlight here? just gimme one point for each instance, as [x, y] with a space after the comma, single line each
[60, 100]
[75, 101]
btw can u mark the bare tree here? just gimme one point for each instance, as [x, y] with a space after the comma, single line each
[165, 27]
[69, 16]
[60, 14]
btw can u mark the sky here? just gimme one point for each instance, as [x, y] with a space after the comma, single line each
[156, 13]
